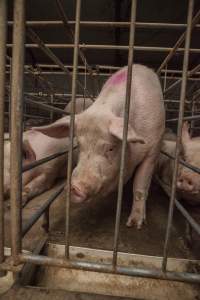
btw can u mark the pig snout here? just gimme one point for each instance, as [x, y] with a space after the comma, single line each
[78, 193]
[186, 184]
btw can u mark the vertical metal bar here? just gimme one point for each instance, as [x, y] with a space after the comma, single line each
[16, 126]
[125, 128]
[3, 38]
[178, 140]
[74, 80]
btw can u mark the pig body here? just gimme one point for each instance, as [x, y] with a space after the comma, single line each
[99, 131]
[81, 104]
[188, 182]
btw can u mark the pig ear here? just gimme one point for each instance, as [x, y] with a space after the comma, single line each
[58, 129]
[185, 133]
[116, 129]
[28, 152]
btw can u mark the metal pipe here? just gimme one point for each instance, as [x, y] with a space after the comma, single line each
[108, 268]
[125, 128]
[190, 118]
[30, 116]
[178, 140]
[45, 106]
[33, 219]
[179, 42]
[46, 49]
[3, 37]
[182, 210]
[72, 121]
[16, 127]
[103, 47]
[107, 24]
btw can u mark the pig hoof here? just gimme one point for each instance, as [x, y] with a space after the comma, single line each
[135, 220]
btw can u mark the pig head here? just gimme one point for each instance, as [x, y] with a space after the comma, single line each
[99, 137]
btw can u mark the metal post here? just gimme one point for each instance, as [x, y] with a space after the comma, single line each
[74, 80]
[16, 126]
[178, 141]
[125, 128]
[3, 37]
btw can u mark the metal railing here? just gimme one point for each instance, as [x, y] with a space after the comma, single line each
[17, 230]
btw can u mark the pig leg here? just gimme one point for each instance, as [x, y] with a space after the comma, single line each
[141, 185]
[35, 187]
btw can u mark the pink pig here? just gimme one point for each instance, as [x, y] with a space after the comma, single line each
[99, 132]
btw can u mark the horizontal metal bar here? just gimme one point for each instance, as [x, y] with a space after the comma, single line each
[30, 116]
[108, 47]
[190, 118]
[107, 24]
[107, 268]
[33, 219]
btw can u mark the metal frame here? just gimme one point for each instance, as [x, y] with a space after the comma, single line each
[17, 231]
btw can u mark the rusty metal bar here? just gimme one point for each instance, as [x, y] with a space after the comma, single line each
[16, 126]
[72, 121]
[105, 47]
[108, 268]
[3, 38]
[33, 219]
[46, 49]
[125, 128]
[178, 140]
[178, 43]
[107, 24]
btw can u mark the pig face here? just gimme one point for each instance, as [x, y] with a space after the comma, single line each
[99, 137]
[28, 156]
[188, 182]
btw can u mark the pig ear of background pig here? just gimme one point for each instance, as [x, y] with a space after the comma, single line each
[58, 129]
[28, 152]
[116, 129]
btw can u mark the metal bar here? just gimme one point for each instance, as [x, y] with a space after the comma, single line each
[178, 43]
[45, 106]
[182, 210]
[3, 38]
[179, 131]
[125, 128]
[33, 219]
[107, 24]
[16, 127]
[70, 155]
[46, 49]
[30, 116]
[190, 118]
[105, 47]
[108, 268]
[182, 162]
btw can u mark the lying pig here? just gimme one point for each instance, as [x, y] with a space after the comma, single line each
[188, 182]
[99, 131]
[81, 105]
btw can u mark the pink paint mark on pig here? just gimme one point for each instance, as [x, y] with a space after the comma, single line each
[117, 78]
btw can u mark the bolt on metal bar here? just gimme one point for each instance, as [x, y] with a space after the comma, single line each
[108, 268]
[16, 127]
[190, 118]
[104, 47]
[3, 37]
[179, 131]
[179, 206]
[72, 121]
[33, 219]
[125, 129]
[47, 23]
[39, 43]
[178, 43]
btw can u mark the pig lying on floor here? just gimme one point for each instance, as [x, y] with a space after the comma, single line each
[188, 182]
[36, 146]
[99, 131]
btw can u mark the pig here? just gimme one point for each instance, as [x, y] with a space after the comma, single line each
[99, 133]
[188, 182]
[81, 105]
